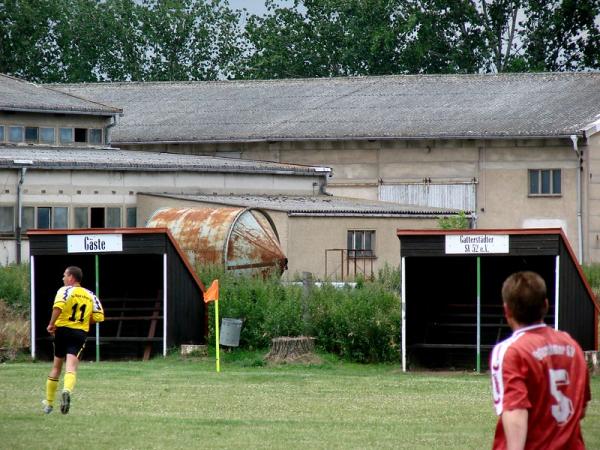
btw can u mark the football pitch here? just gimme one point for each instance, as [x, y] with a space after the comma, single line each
[183, 403]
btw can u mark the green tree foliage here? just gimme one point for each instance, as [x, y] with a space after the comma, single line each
[366, 37]
[459, 221]
[92, 40]
[319, 38]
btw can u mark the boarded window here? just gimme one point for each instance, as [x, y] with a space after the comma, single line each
[461, 196]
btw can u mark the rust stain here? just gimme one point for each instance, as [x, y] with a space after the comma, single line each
[238, 238]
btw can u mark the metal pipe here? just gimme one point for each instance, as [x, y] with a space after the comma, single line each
[23, 171]
[579, 200]
[108, 131]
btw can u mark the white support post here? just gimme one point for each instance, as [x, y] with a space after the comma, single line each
[32, 295]
[403, 311]
[556, 290]
[165, 304]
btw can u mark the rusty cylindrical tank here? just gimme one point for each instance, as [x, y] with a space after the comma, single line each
[241, 239]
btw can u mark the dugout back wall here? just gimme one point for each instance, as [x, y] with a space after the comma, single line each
[452, 307]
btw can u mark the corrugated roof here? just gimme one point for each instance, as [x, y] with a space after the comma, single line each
[115, 159]
[396, 107]
[20, 95]
[318, 205]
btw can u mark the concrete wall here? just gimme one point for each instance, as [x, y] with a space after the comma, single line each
[105, 188]
[54, 121]
[305, 239]
[499, 167]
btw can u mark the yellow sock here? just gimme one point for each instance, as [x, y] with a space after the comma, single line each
[51, 385]
[70, 378]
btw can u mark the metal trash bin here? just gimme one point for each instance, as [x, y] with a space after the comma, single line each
[230, 332]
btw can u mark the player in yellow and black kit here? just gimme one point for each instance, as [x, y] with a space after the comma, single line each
[74, 310]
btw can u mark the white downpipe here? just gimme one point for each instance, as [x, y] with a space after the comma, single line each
[556, 290]
[165, 304]
[403, 312]
[32, 295]
[579, 201]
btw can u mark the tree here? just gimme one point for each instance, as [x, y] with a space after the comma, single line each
[315, 38]
[90, 40]
[367, 37]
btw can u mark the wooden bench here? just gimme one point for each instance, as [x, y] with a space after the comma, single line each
[123, 310]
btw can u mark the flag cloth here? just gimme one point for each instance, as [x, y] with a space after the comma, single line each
[212, 293]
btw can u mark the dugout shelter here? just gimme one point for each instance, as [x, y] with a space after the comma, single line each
[152, 297]
[452, 313]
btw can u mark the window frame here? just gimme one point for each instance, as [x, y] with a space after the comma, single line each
[354, 251]
[539, 181]
[10, 127]
[41, 141]
[14, 220]
[51, 218]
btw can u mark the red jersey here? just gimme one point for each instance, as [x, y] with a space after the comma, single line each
[544, 371]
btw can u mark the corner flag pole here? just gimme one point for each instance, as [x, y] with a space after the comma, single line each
[218, 360]
[212, 295]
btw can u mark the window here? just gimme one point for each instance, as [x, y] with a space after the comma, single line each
[80, 217]
[15, 134]
[113, 217]
[31, 134]
[95, 136]
[456, 195]
[27, 218]
[1, 133]
[545, 182]
[361, 243]
[66, 135]
[80, 134]
[44, 216]
[7, 219]
[61, 217]
[47, 135]
[131, 217]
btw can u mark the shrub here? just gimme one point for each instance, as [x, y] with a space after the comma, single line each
[14, 286]
[361, 324]
[459, 221]
[267, 308]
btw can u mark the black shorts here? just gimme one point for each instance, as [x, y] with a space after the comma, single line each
[69, 340]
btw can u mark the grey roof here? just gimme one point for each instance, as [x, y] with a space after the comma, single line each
[20, 95]
[115, 159]
[394, 107]
[318, 205]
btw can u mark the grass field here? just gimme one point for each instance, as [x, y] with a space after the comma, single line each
[175, 403]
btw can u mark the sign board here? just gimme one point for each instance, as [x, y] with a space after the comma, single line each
[475, 244]
[94, 243]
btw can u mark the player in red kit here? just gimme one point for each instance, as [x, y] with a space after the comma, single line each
[540, 380]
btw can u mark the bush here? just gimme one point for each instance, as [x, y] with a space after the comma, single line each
[361, 324]
[267, 308]
[592, 273]
[14, 286]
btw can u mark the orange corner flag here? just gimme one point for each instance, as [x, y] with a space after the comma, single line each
[212, 293]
